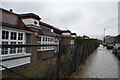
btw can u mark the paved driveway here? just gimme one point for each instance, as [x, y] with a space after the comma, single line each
[100, 64]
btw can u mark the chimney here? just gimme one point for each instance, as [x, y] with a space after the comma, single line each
[11, 10]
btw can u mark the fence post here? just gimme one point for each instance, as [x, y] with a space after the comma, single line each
[83, 52]
[75, 56]
[58, 63]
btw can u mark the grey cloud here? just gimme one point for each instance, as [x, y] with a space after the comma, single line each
[88, 18]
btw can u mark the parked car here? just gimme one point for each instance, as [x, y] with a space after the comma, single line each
[109, 46]
[118, 53]
[104, 44]
[116, 48]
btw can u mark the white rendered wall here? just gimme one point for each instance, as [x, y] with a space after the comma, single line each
[66, 34]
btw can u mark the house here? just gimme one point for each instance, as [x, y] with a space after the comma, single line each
[117, 39]
[31, 22]
[28, 29]
[54, 30]
[86, 37]
[42, 35]
[74, 35]
[109, 39]
[66, 37]
[13, 31]
[46, 36]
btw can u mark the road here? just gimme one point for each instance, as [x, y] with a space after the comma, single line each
[100, 64]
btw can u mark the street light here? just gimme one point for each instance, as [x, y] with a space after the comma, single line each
[104, 36]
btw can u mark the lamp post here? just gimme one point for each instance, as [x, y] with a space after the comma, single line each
[104, 36]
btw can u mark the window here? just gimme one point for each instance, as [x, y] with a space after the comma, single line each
[39, 39]
[4, 50]
[20, 36]
[13, 35]
[46, 38]
[51, 39]
[5, 34]
[43, 38]
[20, 49]
[12, 50]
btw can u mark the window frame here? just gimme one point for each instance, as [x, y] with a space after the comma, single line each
[9, 40]
[5, 34]
[13, 36]
[4, 49]
[20, 36]
[46, 40]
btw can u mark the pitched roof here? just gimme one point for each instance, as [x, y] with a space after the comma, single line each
[29, 15]
[10, 19]
[73, 34]
[56, 30]
[45, 31]
[66, 31]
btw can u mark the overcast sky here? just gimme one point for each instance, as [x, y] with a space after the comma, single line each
[83, 18]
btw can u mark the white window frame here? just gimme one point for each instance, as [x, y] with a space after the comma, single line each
[3, 49]
[50, 40]
[9, 40]
[20, 36]
[13, 35]
[5, 34]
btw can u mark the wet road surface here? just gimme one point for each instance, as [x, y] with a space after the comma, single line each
[100, 64]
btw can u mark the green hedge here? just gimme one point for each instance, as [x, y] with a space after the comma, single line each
[86, 41]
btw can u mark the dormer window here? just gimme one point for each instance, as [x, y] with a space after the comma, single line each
[66, 33]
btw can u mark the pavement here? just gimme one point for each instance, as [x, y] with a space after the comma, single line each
[100, 64]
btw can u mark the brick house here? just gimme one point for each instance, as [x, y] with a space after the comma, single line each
[13, 31]
[31, 21]
[46, 36]
[28, 29]
[74, 35]
[66, 38]
[109, 39]
[42, 35]
[54, 30]
[117, 39]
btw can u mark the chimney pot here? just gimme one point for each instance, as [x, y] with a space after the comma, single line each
[11, 10]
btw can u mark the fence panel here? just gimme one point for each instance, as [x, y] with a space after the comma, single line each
[61, 62]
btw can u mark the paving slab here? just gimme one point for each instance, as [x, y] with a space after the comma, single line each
[100, 64]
